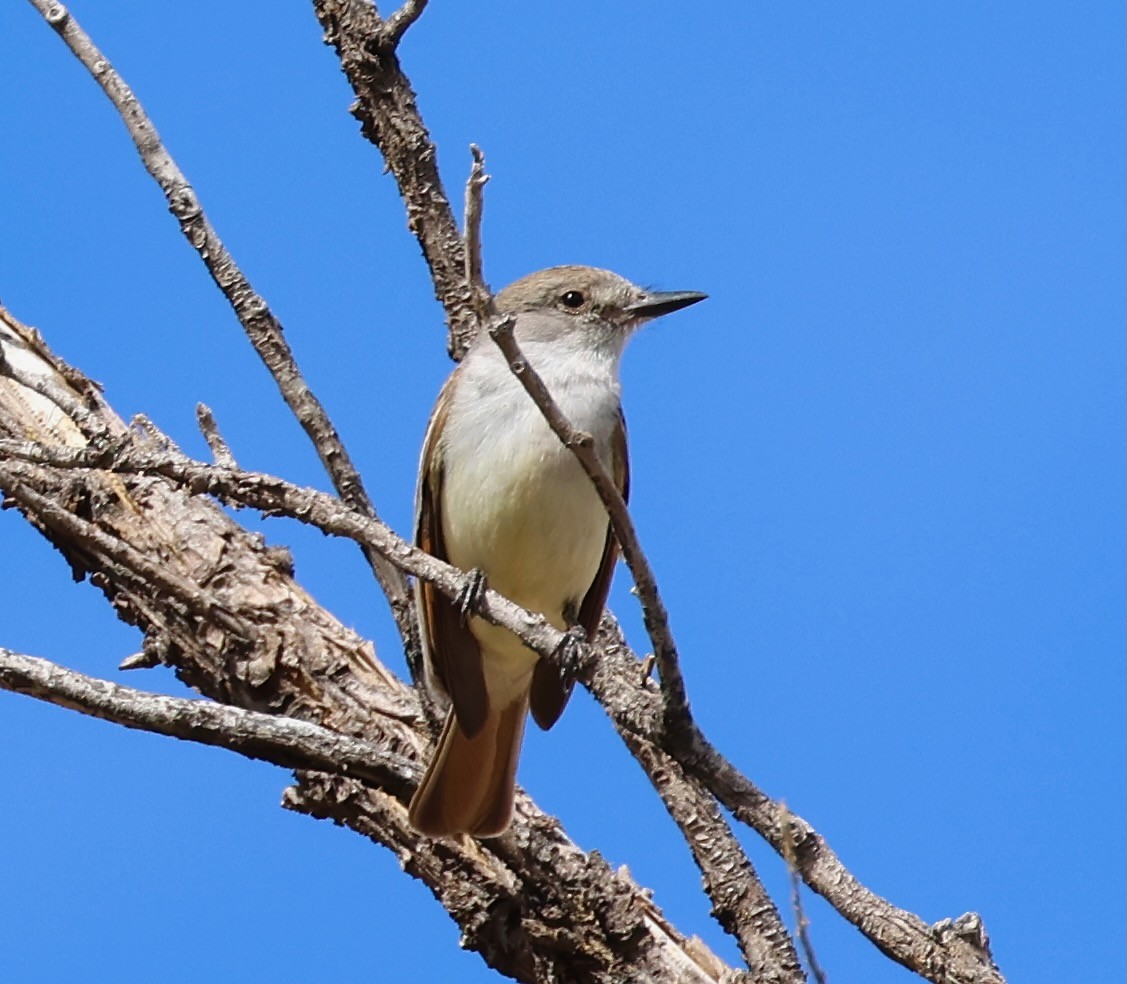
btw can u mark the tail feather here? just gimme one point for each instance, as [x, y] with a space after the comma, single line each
[468, 787]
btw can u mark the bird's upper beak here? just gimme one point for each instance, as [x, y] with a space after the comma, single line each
[659, 302]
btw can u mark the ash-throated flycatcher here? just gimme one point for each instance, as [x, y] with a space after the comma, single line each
[498, 493]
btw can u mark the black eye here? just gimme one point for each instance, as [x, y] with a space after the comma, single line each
[572, 299]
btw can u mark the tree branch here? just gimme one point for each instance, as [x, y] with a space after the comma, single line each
[274, 497]
[678, 717]
[283, 741]
[740, 903]
[398, 23]
[471, 234]
[532, 903]
[293, 659]
[389, 118]
[613, 678]
[933, 952]
[261, 326]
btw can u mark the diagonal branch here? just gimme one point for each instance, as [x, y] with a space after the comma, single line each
[389, 118]
[678, 717]
[937, 953]
[261, 326]
[613, 678]
[532, 903]
[740, 903]
[273, 496]
[400, 22]
[287, 742]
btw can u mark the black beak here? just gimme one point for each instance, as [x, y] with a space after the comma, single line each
[659, 302]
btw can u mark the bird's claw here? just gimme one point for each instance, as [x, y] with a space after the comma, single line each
[469, 598]
[569, 653]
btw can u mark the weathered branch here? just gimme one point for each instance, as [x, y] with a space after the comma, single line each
[399, 22]
[261, 326]
[934, 952]
[531, 902]
[227, 615]
[678, 717]
[283, 741]
[613, 678]
[740, 902]
[895, 930]
[274, 497]
[471, 234]
[389, 118]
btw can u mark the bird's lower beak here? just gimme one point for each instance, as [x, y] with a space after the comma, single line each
[659, 302]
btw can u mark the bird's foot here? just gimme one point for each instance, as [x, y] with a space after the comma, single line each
[471, 594]
[569, 654]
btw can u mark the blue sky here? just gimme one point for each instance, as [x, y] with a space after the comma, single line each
[879, 472]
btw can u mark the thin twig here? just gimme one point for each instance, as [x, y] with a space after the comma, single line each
[261, 326]
[399, 22]
[475, 204]
[284, 741]
[801, 923]
[678, 717]
[220, 449]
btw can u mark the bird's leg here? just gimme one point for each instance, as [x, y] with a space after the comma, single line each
[471, 594]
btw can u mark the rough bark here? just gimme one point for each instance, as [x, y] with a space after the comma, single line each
[128, 511]
[232, 622]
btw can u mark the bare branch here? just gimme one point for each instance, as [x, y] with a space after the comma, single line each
[678, 717]
[389, 118]
[398, 23]
[475, 203]
[220, 450]
[801, 923]
[944, 958]
[272, 496]
[613, 677]
[740, 903]
[284, 741]
[262, 328]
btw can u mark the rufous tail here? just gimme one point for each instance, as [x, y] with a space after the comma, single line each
[469, 785]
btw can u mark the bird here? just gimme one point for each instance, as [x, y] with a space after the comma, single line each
[500, 496]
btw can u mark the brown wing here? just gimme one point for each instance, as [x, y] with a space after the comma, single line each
[452, 655]
[549, 696]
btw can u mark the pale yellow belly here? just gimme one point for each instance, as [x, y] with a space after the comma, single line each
[535, 526]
